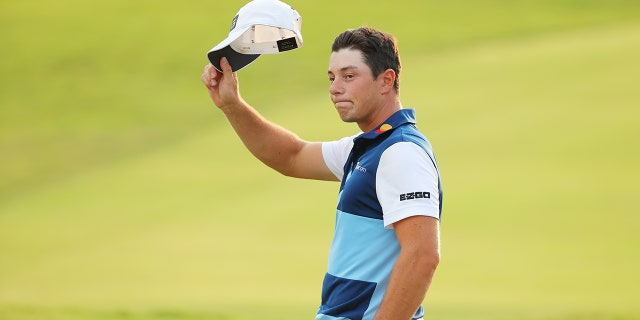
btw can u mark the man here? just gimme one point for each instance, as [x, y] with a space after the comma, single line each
[386, 244]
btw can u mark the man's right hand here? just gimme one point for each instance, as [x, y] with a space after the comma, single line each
[222, 86]
[274, 145]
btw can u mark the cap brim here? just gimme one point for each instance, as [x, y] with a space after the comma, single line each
[236, 60]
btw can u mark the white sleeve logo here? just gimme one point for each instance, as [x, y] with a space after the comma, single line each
[415, 195]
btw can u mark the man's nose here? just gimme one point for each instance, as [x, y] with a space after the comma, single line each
[335, 87]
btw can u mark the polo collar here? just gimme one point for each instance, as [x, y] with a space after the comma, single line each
[399, 118]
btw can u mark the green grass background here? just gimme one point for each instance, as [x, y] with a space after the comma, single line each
[124, 194]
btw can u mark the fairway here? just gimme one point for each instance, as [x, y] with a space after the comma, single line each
[124, 194]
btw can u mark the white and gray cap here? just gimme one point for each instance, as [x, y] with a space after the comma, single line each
[261, 26]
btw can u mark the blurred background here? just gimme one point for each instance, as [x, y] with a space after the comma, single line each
[125, 194]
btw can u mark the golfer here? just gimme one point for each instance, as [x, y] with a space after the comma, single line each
[386, 245]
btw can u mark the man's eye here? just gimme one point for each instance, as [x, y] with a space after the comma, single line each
[349, 76]
[331, 79]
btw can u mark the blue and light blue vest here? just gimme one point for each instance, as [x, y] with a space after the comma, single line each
[363, 252]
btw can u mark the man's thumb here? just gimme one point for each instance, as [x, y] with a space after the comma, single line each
[224, 65]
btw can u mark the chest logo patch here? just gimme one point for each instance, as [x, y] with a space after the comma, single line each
[383, 128]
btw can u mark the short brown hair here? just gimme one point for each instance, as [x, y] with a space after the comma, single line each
[380, 50]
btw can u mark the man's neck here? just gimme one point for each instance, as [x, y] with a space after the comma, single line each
[382, 114]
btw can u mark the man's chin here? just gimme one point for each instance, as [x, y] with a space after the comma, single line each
[347, 119]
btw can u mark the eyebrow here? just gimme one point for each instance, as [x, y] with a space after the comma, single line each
[345, 69]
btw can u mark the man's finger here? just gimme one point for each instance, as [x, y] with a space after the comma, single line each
[210, 70]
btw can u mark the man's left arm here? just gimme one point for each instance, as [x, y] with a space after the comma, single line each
[419, 238]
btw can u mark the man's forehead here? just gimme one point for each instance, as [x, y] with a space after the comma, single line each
[346, 59]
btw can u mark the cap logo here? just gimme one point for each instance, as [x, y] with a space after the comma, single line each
[287, 44]
[234, 22]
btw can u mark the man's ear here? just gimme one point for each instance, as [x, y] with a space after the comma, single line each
[388, 78]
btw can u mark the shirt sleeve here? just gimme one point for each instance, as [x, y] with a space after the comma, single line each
[407, 183]
[335, 154]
